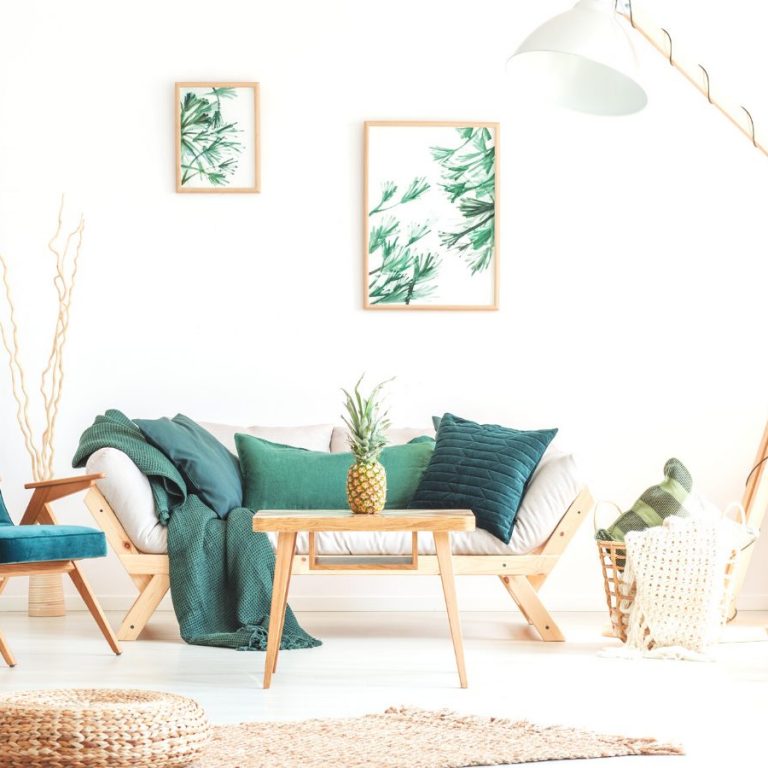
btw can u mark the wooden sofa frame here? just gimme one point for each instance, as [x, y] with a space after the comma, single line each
[521, 575]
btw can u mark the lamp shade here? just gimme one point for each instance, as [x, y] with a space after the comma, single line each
[582, 59]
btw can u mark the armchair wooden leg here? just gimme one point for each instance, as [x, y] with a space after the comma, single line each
[532, 608]
[84, 589]
[144, 606]
[5, 652]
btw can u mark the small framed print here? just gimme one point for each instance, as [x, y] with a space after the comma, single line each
[431, 209]
[217, 137]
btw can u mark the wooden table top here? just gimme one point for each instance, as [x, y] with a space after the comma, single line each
[299, 520]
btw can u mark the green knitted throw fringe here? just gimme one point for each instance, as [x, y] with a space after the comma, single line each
[221, 571]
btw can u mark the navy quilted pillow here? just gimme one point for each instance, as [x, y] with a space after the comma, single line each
[482, 467]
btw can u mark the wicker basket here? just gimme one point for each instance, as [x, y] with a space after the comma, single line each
[100, 728]
[613, 556]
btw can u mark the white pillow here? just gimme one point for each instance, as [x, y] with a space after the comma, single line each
[396, 436]
[316, 437]
[128, 492]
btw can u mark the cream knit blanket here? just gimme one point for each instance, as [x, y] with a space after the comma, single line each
[678, 570]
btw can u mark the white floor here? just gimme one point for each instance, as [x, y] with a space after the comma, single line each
[718, 710]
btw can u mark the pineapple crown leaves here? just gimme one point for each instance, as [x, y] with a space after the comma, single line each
[366, 422]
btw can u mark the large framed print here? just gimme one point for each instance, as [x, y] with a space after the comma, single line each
[431, 205]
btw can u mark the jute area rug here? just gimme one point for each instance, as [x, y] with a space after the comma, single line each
[410, 738]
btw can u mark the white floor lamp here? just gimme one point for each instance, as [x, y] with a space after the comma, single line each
[584, 60]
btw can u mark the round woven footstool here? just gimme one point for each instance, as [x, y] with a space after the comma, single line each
[100, 728]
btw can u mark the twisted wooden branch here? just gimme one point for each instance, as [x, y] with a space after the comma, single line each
[18, 386]
[52, 378]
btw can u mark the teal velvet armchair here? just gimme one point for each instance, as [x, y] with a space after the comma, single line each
[38, 545]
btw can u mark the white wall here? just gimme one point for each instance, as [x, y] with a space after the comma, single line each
[632, 250]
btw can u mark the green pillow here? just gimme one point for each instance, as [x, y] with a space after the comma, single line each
[655, 505]
[283, 477]
[207, 467]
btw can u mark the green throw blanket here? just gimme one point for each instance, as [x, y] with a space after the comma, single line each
[221, 571]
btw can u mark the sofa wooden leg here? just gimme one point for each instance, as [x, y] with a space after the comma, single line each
[532, 608]
[505, 581]
[144, 606]
[80, 582]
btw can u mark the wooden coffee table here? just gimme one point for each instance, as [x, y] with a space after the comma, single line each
[288, 523]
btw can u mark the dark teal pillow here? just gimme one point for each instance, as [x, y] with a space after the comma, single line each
[482, 467]
[207, 467]
[283, 477]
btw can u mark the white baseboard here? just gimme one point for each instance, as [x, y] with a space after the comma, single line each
[378, 602]
[753, 602]
[75, 603]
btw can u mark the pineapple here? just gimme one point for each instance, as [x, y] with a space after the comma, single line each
[366, 479]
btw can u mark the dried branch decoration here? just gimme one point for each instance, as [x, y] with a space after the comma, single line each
[67, 256]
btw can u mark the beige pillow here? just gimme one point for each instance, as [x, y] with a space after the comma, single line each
[316, 437]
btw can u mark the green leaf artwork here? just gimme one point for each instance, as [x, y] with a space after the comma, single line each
[469, 179]
[405, 274]
[431, 231]
[210, 147]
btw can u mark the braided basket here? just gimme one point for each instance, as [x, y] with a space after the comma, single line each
[100, 728]
[613, 555]
[619, 598]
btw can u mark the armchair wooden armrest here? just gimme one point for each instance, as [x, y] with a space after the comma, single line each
[46, 491]
[57, 481]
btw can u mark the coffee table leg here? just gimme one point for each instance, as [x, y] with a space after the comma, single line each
[445, 561]
[5, 652]
[285, 597]
[283, 562]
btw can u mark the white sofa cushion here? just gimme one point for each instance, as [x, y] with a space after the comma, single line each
[551, 489]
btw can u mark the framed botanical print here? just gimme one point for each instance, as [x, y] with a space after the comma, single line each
[431, 204]
[217, 137]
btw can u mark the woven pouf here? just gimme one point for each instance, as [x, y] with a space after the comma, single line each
[100, 728]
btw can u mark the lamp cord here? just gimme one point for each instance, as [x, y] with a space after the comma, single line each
[755, 468]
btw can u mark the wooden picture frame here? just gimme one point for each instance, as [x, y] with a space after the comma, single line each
[464, 255]
[234, 163]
